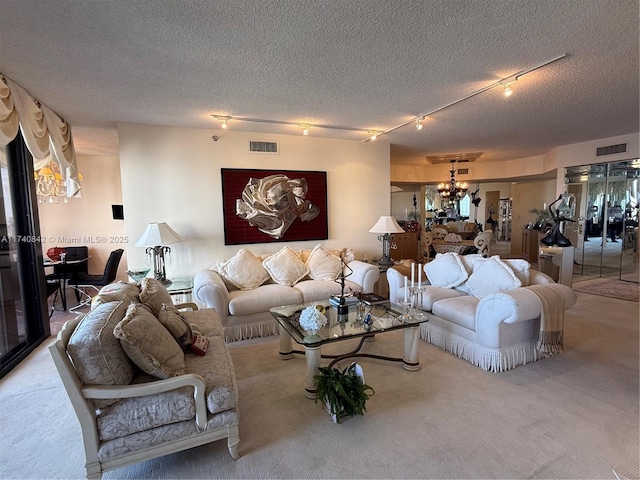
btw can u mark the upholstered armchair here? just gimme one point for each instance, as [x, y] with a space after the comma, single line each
[140, 384]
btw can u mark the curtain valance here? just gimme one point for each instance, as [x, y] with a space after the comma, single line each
[48, 137]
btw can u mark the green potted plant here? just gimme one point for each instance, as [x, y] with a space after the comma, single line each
[543, 220]
[343, 393]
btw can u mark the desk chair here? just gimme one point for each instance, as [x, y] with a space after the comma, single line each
[76, 263]
[53, 288]
[85, 281]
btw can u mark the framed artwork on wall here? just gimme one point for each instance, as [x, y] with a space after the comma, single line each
[263, 206]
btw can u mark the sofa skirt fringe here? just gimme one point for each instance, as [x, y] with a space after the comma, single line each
[235, 333]
[489, 359]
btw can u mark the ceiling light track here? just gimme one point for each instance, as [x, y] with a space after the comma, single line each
[504, 82]
[225, 119]
[417, 120]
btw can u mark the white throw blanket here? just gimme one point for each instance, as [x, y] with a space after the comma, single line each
[551, 340]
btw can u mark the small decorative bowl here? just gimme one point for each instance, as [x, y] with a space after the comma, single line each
[138, 275]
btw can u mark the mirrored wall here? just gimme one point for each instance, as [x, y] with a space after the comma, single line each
[605, 232]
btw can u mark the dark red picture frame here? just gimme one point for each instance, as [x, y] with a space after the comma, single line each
[237, 230]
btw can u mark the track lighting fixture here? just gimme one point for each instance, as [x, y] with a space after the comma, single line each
[502, 82]
[223, 119]
[417, 120]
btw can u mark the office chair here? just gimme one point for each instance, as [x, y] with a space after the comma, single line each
[85, 281]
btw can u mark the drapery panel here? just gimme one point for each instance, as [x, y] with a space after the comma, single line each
[47, 136]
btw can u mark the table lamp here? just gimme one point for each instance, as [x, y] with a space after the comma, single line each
[386, 225]
[155, 237]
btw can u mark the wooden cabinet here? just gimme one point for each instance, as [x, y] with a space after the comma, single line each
[408, 246]
[531, 244]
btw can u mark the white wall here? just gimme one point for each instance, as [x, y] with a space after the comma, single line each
[89, 220]
[172, 175]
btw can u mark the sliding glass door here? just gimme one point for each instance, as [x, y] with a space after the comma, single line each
[23, 319]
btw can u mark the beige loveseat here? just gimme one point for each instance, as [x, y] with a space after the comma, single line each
[484, 310]
[244, 288]
[137, 389]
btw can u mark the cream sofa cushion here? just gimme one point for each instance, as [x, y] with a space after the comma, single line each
[247, 302]
[446, 270]
[216, 369]
[137, 414]
[148, 344]
[521, 268]
[491, 275]
[244, 270]
[96, 354]
[177, 324]
[118, 291]
[323, 265]
[154, 295]
[285, 267]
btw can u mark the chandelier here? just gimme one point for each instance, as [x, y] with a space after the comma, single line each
[452, 191]
[50, 185]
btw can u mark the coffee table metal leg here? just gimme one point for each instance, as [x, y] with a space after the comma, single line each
[410, 360]
[313, 355]
[286, 352]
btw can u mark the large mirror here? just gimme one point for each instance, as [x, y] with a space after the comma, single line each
[605, 232]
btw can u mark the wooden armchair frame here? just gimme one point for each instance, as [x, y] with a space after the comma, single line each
[79, 394]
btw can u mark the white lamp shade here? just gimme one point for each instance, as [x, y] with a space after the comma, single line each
[386, 224]
[158, 234]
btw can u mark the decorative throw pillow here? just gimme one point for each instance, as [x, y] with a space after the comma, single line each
[521, 268]
[467, 261]
[114, 292]
[97, 355]
[446, 270]
[348, 255]
[491, 275]
[323, 265]
[154, 295]
[285, 267]
[148, 344]
[244, 270]
[177, 324]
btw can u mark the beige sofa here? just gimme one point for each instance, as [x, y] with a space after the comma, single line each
[484, 310]
[137, 389]
[244, 288]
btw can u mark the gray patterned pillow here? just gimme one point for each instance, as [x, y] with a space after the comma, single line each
[96, 354]
[148, 344]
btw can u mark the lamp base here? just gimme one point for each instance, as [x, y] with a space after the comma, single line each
[164, 281]
[386, 262]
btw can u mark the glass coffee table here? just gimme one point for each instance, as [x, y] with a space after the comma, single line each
[384, 318]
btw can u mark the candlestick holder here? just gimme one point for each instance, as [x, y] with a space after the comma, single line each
[406, 311]
[416, 294]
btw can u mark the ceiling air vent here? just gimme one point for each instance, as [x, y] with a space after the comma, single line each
[611, 149]
[263, 147]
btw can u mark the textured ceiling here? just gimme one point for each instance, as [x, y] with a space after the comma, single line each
[369, 64]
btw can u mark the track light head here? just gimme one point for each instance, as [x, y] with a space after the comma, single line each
[223, 119]
[507, 91]
[373, 135]
[305, 129]
[419, 124]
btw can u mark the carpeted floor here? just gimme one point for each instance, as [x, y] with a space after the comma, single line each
[629, 291]
[575, 415]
